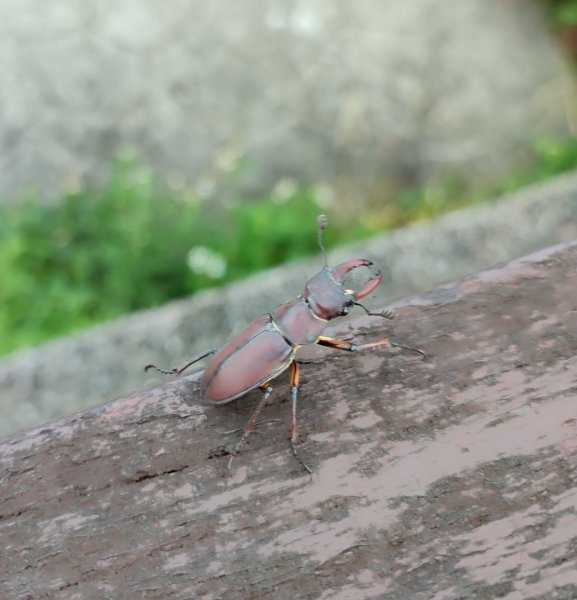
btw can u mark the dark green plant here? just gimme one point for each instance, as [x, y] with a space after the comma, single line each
[563, 13]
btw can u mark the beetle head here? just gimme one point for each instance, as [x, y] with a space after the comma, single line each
[326, 295]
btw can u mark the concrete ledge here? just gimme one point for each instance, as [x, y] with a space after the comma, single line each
[73, 373]
[452, 477]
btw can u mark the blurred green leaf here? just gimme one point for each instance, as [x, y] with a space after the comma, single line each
[563, 12]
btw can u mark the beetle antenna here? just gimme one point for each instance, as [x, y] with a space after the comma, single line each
[322, 223]
[386, 314]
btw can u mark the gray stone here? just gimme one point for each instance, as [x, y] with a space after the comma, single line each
[79, 371]
[365, 96]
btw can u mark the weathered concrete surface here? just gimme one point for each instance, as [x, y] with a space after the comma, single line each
[87, 368]
[363, 95]
[450, 478]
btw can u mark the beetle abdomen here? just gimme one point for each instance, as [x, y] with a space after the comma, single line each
[254, 356]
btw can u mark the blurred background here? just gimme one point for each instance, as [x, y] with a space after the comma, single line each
[150, 150]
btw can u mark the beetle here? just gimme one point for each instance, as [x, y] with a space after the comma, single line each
[267, 347]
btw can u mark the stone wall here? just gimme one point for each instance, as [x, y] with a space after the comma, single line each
[364, 96]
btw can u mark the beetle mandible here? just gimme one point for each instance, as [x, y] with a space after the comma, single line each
[267, 346]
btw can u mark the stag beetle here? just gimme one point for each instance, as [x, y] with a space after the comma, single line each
[267, 346]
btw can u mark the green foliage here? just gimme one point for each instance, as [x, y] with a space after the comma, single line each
[554, 155]
[100, 254]
[563, 13]
[548, 156]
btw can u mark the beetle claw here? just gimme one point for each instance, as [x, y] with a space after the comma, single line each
[340, 271]
[370, 286]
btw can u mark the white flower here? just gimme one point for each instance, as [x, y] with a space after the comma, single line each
[284, 190]
[203, 261]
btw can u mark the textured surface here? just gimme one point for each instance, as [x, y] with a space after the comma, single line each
[346, 93]
[450, 478]
[79, 371]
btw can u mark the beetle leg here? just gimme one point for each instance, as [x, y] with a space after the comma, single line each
[388, 313]
[351, 347]
[178, 370]
[295, 379]
[231, 431]
[249, 427]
